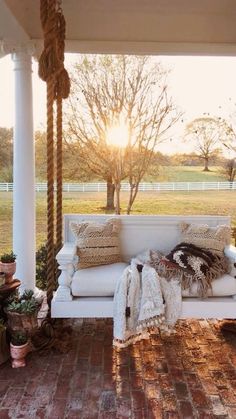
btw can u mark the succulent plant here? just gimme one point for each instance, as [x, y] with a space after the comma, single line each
[8, 257]
[24, 304]
[19, 338]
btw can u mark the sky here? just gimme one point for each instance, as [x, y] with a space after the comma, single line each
[198, 85]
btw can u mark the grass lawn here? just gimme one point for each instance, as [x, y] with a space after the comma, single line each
[190, 174]
[169, 203]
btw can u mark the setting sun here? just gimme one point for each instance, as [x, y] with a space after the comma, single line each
[117, 135]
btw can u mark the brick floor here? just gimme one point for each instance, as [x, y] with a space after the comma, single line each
[191, 374]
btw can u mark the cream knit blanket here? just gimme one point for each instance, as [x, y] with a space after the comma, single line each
[144, 300]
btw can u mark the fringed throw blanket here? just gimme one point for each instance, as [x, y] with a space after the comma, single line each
[139, 304]
[191, 264]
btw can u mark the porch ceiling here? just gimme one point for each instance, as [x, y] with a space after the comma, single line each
[161, 26]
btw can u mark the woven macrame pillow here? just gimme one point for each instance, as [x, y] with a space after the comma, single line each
[97, 244]
[212, 238]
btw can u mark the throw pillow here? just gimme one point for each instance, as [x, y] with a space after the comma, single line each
[212, 238]
[98, 244]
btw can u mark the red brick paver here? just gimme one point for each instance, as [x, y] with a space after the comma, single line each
[191, 374]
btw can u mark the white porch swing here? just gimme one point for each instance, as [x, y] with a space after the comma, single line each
[150, 27]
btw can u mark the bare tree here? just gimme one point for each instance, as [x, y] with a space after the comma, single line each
[107, 90]
[229, 169]
[208, 134]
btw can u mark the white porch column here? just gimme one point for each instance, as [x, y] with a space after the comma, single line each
[23, 172]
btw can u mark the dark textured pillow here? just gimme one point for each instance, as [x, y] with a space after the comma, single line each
[98, 244]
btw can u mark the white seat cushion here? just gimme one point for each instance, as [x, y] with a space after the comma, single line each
[221, 287]
[98, 281]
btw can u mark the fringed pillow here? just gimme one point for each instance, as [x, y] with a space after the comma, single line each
[213, 239]
[97, 244]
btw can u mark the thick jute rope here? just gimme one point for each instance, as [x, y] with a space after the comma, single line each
[48, 63]
[59, 176]
[51, 70]
[62, 92]
[50, 192]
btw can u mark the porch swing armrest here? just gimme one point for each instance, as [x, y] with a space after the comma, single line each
[66, 259]
[230, 253]
[67, 253]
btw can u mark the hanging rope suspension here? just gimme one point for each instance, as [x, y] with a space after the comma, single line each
[52, 71]
[62, 92]
[59, 176]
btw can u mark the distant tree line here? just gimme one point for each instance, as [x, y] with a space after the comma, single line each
[74, 169]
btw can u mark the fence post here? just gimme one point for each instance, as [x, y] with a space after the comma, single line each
[7, 188]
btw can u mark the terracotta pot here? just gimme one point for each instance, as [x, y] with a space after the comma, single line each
[18, 354]
[17, 321]
[2, 278]
[9, 269]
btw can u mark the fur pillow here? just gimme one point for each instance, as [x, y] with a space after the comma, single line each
[98, 244]
[212, 238]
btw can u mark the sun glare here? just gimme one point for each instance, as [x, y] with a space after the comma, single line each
[117, 135]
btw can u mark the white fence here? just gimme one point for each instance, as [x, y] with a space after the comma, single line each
[144, 186]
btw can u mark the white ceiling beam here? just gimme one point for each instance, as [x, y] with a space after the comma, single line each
[145, 48]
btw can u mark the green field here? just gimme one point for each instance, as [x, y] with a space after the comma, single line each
[189, 174]
[171, 203]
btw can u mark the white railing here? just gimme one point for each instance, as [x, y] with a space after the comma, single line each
[144, 186]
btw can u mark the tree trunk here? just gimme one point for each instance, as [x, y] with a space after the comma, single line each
[110, 195]
[117, 189]
[132, 196]
[206, 161]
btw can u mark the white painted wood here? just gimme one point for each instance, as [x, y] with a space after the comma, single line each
[10, 27]
[83, 307]
[66, 259]
[138, 233]
[135, 26]
[212, 307]
[141, 232]
[91, 307]
[230, 252]
[23, 170]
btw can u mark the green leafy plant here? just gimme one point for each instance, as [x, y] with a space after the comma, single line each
[8, 257]
[23, 304]
[19, 338]
[41, 267]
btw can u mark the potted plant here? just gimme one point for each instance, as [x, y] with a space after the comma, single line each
[19, 348]
[8, 266]
[22, 311]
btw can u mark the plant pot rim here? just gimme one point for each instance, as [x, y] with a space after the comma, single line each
[15, 313]
[19, 346]
[8, 263]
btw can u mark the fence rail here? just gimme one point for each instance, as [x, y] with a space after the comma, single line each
[144, 186]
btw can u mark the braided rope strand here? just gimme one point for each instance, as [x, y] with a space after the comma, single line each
[59, 176]
[50, 192]
[51, 70]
